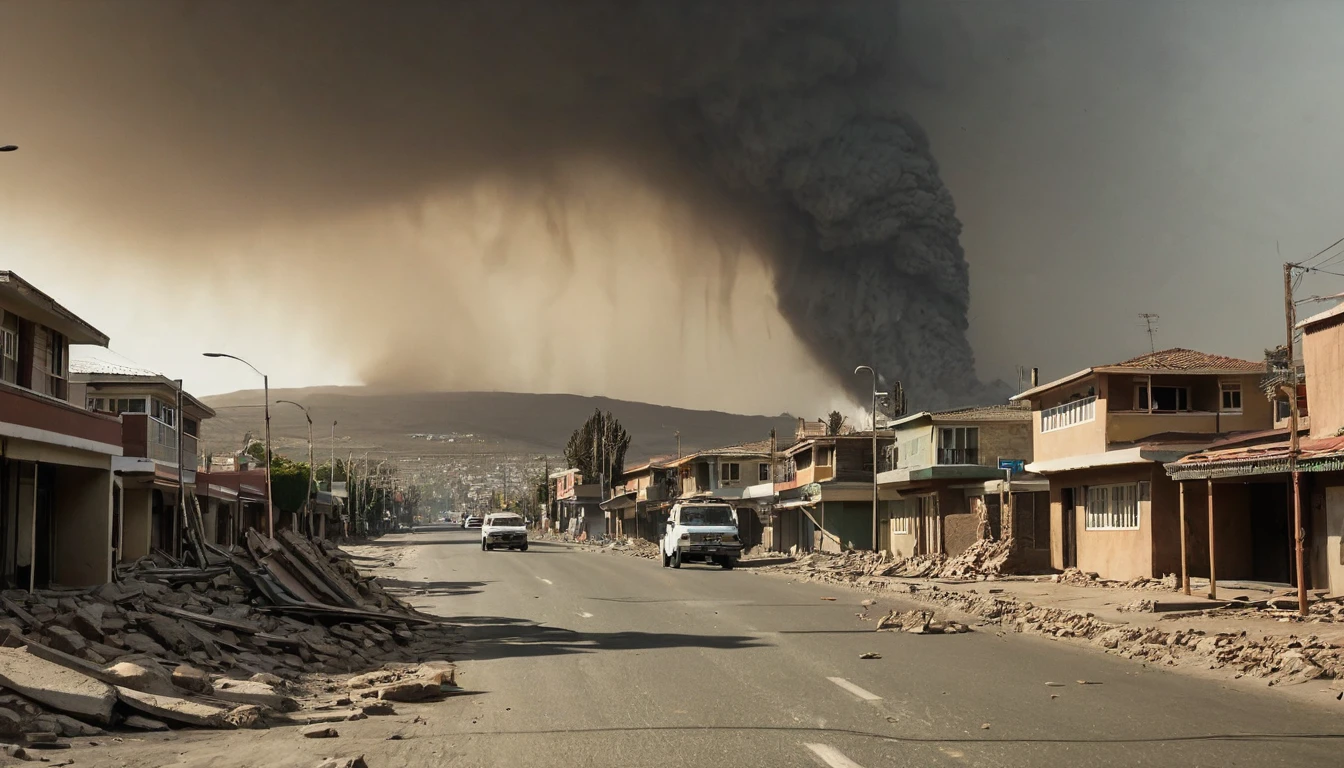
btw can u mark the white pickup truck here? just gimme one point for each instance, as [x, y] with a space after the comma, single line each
[504, 530]
[701, 530]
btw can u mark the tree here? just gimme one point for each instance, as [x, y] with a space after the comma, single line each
[597, 449]
[835, 421]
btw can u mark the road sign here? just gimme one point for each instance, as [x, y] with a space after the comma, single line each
[1017, 466]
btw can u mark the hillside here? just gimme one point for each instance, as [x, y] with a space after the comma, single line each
[467, 423]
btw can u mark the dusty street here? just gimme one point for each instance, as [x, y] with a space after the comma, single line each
[582, 658]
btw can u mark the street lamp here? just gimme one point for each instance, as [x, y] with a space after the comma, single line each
[309, 494]
[876, 394]
[266, 395]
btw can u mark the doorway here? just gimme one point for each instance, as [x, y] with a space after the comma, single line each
[1068, 516]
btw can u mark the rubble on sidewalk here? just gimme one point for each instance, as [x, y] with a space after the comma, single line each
[243, 638]
[1079, 578]
[1277, 658]
[984, 559]
[633, 547]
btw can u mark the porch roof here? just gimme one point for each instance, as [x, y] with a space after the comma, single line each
[898, 477]
[1320, 455]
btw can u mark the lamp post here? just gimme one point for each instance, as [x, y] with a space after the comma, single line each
[873, 374]
[308, 495]
[266, 395]
[332, 481]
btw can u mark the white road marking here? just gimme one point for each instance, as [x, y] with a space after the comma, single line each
[585, 615]
[548, 581]
[854, 689]
[832, 756]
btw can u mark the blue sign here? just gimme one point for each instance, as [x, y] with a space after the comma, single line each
[1018, 466]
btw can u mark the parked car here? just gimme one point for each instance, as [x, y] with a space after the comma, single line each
[504, 530]
[472, 521]
[702, 530]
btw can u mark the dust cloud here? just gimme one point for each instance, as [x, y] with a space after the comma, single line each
[697, 203]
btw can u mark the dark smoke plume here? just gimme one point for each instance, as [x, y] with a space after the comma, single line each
[773, 125]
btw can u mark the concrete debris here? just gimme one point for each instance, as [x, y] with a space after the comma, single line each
[1138, 606]
[870, 655]
[52, 685]
[248, 640]
[344, 762]
[1078, 578]
[919, 623]
[1280, 659]
[319, 732]
[141, 723]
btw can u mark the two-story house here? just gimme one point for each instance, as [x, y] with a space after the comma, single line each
[727, 473]
[57, 491]
[160, 426]
[937, 492]
[823, 496]
[1102, 435]
[641, 497]
[577, 505]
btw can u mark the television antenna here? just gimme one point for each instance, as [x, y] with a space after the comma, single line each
[1150, 321]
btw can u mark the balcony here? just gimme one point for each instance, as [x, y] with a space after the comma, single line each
[29, 415]
[147, 437]
[1069, 414]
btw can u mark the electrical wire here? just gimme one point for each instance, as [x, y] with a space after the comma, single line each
[1321, 252]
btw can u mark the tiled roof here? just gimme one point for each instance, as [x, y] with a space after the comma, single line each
[1178, 359]
[1013, 412]
[760, 446]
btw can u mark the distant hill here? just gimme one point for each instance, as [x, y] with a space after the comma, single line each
[465, 423]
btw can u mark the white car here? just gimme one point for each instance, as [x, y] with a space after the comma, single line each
[471, 521]
[701, 530]
[504, 529]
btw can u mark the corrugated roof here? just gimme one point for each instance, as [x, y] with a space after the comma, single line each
[1334, 311]
[1189, 360]
[103, 367]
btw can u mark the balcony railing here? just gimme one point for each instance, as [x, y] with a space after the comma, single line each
[958, 456]
[1069, 414]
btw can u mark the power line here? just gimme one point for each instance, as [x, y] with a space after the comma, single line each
[1321, 252]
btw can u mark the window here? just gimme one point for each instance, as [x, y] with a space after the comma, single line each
[126, 405]
[823, 457]
[1283, 410]
[1165, 398]
[900, 519]
[1231, 396]
[163, 412]
[729, 472]
[9, 346]
[97, 404]
[1113, 507]
[958, 445]
[189, 426]
[764, 476]
[56, 351]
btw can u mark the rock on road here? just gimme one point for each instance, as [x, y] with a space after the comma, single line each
[584, 658]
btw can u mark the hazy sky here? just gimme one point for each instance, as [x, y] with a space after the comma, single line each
[1106, 159]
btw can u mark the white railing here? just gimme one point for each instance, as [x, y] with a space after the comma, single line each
[1069, 414]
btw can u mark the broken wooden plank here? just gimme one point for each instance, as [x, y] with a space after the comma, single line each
[56, 686]
[17, 610]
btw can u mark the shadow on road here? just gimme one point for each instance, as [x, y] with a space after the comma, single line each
[432, 588]
[497, 637]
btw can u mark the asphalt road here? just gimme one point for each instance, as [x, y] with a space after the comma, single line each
[597, 659]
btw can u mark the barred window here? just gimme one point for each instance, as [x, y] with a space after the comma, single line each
[1113, 507]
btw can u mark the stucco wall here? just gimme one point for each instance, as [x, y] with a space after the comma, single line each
[1123, 554]
[1077, 440]
[82, 527]
[960, 525]
[1323, 354]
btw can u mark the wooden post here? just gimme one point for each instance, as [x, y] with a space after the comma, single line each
[1185, 568]
[1213, 579]
[1299, 534]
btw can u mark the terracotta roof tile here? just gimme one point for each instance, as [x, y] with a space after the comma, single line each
[1178, 359]
[998, 412]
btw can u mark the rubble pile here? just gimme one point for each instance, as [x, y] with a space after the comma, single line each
[1280, 659]
[1284, 608]
[1078, 578]
[634, 548]
[919, 623]
[252, 637]
[983, 559]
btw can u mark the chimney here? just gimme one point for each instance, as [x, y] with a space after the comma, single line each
[1035, 377]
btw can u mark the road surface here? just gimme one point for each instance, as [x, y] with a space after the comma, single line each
[597, 659]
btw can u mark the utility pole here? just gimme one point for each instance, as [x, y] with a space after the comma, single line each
[678, 434]
[1290, 317]
[1150, 320]
[181, 456]
[873, 389]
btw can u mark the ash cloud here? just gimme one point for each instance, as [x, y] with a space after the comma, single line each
[749, 139]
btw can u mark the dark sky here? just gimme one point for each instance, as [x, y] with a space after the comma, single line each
[366, 194]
